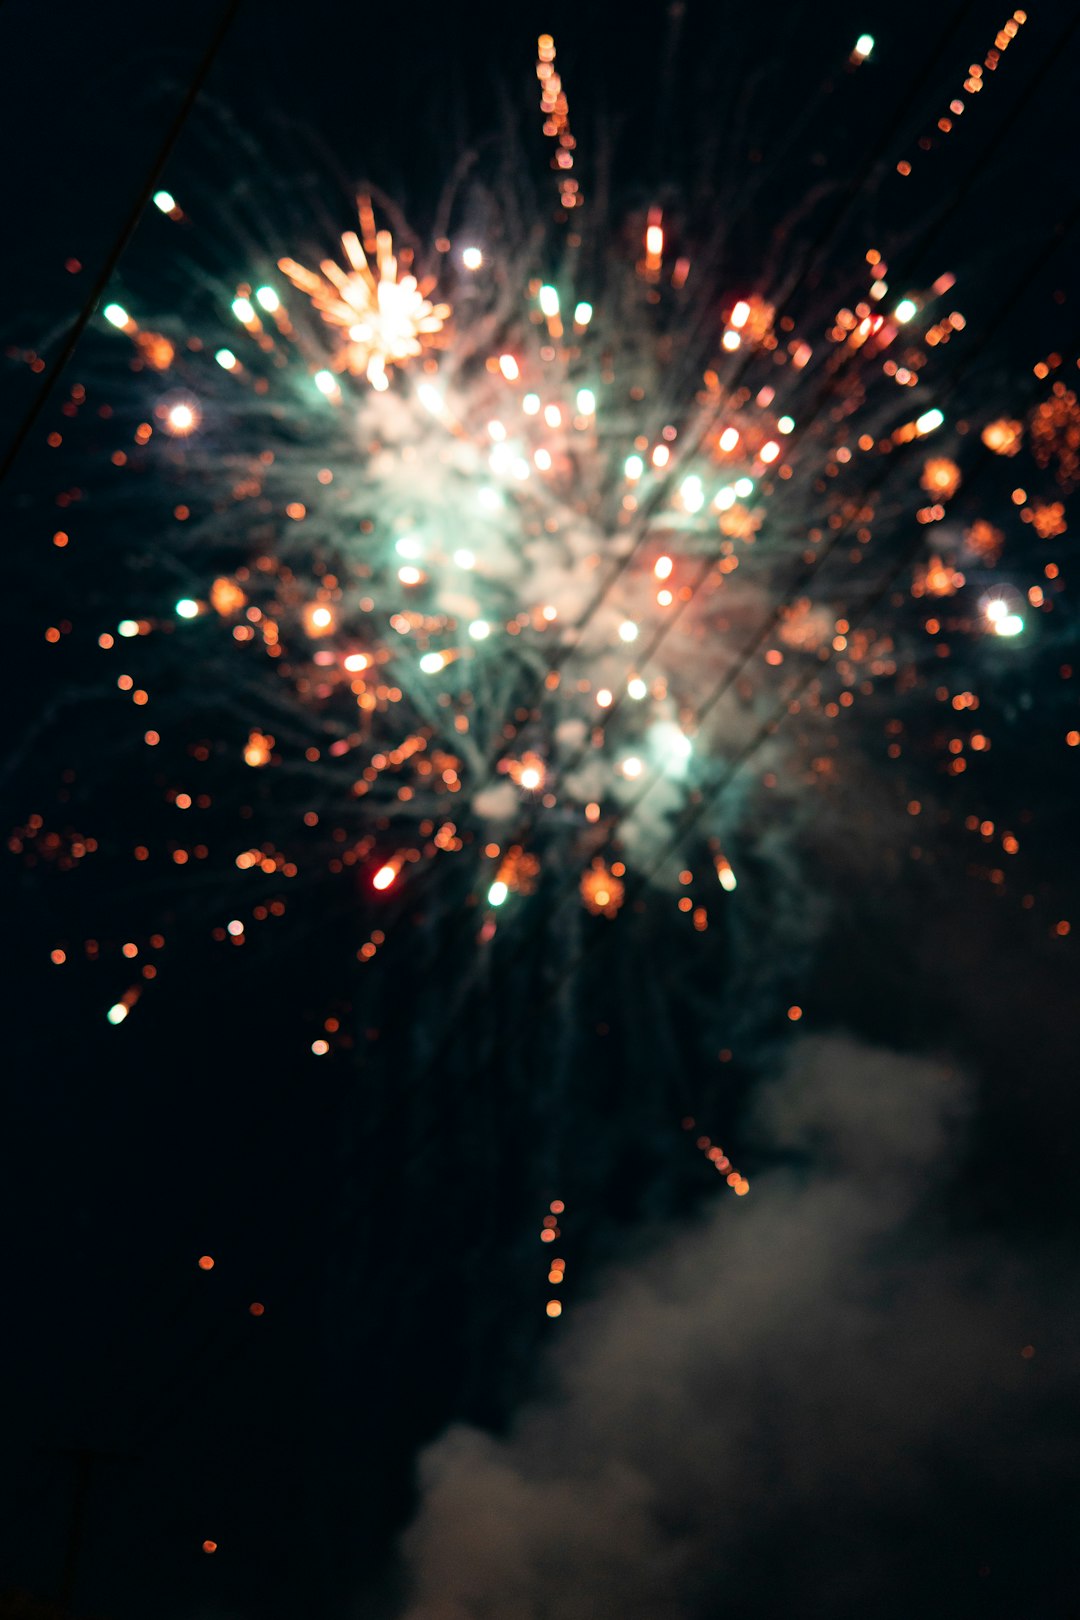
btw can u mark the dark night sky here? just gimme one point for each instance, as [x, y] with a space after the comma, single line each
[387, 1227]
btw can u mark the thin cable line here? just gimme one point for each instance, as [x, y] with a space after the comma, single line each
[127, 231]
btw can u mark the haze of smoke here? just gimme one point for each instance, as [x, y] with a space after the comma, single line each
[737, 1423]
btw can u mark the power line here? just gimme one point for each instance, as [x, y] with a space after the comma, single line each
[126, 232]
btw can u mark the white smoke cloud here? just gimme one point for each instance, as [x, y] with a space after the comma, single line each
[735, 1422]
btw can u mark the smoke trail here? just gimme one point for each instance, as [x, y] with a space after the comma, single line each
[740, 1422]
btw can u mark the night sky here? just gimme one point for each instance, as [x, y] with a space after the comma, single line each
[851, 1392]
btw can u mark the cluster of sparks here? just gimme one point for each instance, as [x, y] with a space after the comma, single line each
[556, 110]
[974, 82]
[513, 596]
[386, 317]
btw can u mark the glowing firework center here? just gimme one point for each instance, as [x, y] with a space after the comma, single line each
[387, 318]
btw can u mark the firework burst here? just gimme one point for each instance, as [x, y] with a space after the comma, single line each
[500, 564]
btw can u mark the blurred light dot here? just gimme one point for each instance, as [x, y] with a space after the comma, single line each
[182, 418]
[531, 404]
[209, 1546]
[603, 698]
[632, 767]
[322, 618]
[906, 310]
[187, 608]
[634, 467]
[637, 688]
[1011, 625]
[479, 630]
[117, 1013]
[244, 310]
[326, 383]
[226, 359]
[549, 301]
[267, 299]
[583, 314]
[235, 928]
[728, 439]
[409, 546]
[116, 315]
[509, 367]
[206, 1262]
[472, 258]
[384, 877]
[165, 201]
[127, 627]
[320, 1048]
[692, 494]
[744, 487]
[432, 662]
[464, 558]
[356, 662]
[409, 575]
[586, 402]
[497, 893]
[864, 45]
[786, 424]
[928, 421]
[628, 630]
[794, 1013]
[554, 1307]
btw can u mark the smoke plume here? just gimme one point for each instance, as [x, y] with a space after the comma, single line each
[739, 1424]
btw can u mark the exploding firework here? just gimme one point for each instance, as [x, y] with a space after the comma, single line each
[511, 676]
[513, 591]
